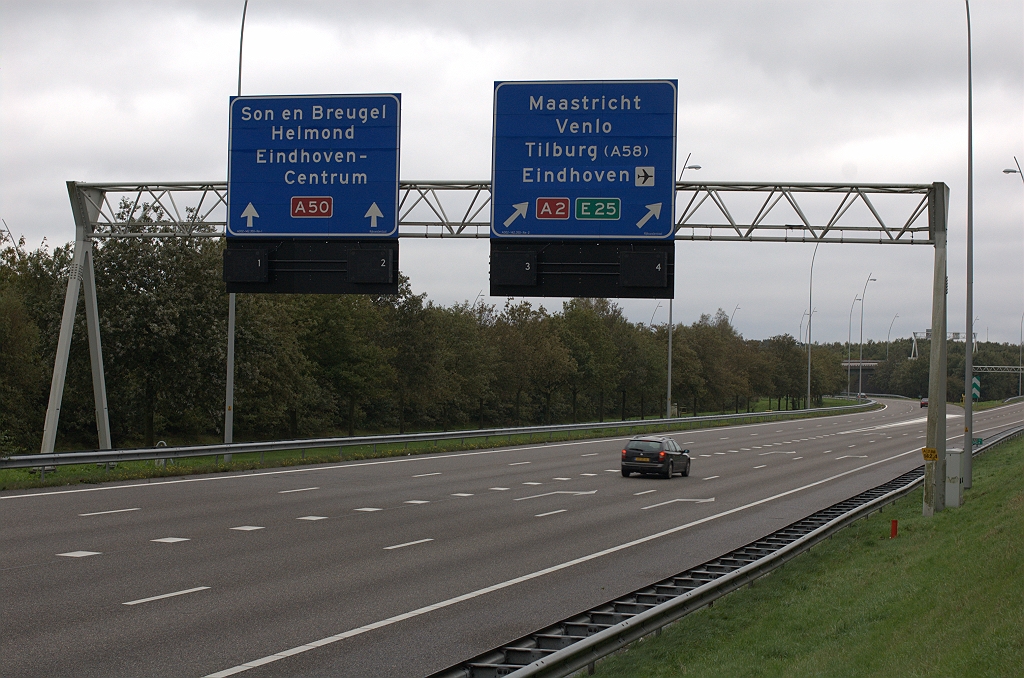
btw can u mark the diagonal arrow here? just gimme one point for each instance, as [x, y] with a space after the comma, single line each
[521, 208]
[672, 501]
[652, 211]
[374, 213]
[248, 215]
[548, 494]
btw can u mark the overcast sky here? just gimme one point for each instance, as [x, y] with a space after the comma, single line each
[768, 91]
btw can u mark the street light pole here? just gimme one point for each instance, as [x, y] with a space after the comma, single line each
[849, 348]
[889, 335]
[860, 366]
[810, 308]
[671, 327]
[968, 352]
[1020, 350]
[229, 382]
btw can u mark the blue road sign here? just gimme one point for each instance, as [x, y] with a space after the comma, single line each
[584, 159]
[323, 166]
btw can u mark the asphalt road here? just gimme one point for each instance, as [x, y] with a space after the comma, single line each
[404, 566]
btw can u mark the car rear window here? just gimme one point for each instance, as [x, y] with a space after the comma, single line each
[644, 446]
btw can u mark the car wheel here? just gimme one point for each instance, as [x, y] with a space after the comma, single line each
[625, 473]
[686, 471]
[670, 470]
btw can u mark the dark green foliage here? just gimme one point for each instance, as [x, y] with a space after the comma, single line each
[311, 365]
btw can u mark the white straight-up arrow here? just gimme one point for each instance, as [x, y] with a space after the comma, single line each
[652, 210]
[521, 208]
[374, 213]
[248, 215]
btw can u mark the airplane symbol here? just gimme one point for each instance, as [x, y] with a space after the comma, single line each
[644, 176]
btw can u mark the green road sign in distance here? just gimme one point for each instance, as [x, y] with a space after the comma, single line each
[977, 441]
[598, 208]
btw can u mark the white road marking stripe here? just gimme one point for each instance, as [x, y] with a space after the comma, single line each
[549, 513]
[520, 463]
[462, 494]
[425, 475]
[589, 454]
[103, 513]
[368, 509]
[246, 528]
[672, 501]
[795, 458]
[705, 455]
[589, 475]
[637, 494]
[712, 477]
[720, 453]
[312, 518]
[530, 576]
[301, 489]
[408, 543]
[166, 595]
[853, 456]
[170, 540]
[761, 466]
[533, 483]
[416, 501]
[79, 554]
[561, 478]
[611, 470]
[498, 489]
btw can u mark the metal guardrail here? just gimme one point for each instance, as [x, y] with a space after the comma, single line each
[146, 453]
[578, 642]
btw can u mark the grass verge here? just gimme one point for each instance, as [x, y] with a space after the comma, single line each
[23, 478]
[945, 598]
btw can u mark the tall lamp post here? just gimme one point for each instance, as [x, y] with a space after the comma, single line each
[810, 317]
[671, 327]
[1020, 350]
[860, 366]
[888, 335]
[965, 465]
[229, 382]
[849, 347]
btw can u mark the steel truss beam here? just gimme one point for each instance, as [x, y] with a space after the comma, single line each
[706, 211]
[885, 214]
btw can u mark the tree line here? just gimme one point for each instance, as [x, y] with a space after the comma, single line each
[336, 365]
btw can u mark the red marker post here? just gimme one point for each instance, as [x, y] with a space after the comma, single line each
[892, 532]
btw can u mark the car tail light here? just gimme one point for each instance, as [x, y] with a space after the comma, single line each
[623, 454]
[661, 455]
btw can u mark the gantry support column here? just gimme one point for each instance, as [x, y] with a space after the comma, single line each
[935, 440]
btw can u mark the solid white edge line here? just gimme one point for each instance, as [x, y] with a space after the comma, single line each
[301, 489]
[532, 575]
[408, 543]
[166, 595]
[103, 513]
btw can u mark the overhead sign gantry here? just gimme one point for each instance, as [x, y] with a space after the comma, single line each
[313, 194]
[583, 188]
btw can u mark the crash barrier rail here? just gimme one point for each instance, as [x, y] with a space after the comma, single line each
[581, 640]
[140, 454]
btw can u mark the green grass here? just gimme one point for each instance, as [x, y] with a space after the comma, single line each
[946, 598]
[15, 479]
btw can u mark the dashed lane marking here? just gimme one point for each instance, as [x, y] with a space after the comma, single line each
[170, 540]
[408, 543]
[533, 483]
[590, 454]
[761, 466]
[673, 501]
[368, 509]
[166, 595]
[301, 489]
[416, 501]
[498, 489]
[549, 513]
[103, 513]
[462, 494]
[637, 494]
[312, 518]
[520, 463]
[246, 528]
[79, 554]
[711, 477]
[426, 475]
